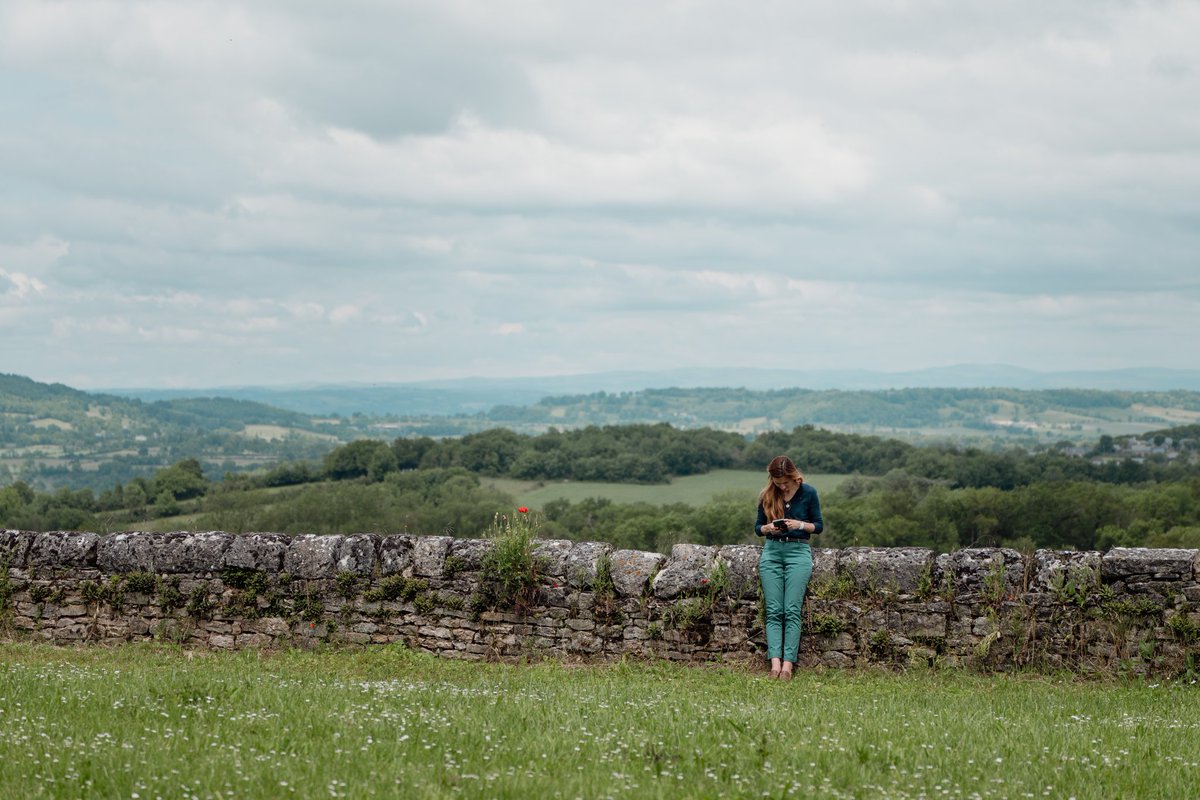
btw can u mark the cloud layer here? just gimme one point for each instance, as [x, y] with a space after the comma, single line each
[215, 193]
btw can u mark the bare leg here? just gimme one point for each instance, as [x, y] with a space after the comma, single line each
[775, 668]
[786, 671]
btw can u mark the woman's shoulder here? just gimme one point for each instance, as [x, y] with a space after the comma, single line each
[808, 489]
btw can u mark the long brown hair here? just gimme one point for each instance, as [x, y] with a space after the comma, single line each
[771, 496]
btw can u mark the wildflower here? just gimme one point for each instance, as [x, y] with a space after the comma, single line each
[523, 510]
[704, 580]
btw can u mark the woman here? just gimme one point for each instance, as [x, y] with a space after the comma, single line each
[788, 514]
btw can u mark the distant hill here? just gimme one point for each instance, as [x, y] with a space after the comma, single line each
[467, 396]
[53, 435]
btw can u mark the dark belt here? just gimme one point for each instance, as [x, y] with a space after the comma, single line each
[788, 538]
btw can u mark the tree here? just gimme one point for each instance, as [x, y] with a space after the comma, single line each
[368, 458]
[181, 481]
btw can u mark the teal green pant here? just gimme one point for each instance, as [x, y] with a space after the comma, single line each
[784, 569]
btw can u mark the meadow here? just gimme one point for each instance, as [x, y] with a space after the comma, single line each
[690, 490]
[152, 721]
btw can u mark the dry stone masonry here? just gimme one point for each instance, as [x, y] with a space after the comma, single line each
[1127, 609]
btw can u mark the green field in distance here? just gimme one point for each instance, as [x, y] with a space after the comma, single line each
[692, 490]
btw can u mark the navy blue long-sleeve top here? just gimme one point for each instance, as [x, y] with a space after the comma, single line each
[804, 506]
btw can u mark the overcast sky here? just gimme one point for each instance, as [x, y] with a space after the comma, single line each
[199, 194]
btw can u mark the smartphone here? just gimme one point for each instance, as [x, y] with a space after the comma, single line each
[780, 524]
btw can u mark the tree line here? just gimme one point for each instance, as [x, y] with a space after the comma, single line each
[656, 453]
[902, 495]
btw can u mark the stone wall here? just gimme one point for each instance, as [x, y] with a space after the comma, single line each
[1128, 609]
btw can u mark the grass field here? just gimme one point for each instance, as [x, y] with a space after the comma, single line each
[693, 490]
[150, 721]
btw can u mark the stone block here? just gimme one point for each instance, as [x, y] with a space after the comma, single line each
[553, 555]
[888, 570]
[395, 553]
[63, 549]
[357, 554]
[921, 624]
[686, 570]
[1054, 567]
[836, 660]
[843, 641]
[254, 641]
[312, 556]
[191, 552]
[135, 551]
[273, 626]
[14, 547]
[429, 555]
[260, 551]
[470, 552]
[1163, 564]
[977, 571]
[825, 565]
[583, 642]
[582, 563]
[741, 564]
[632, 570]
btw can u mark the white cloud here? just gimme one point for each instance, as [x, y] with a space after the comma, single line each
[37, 256]
[555, 185]
[344, 313]
[22, 284]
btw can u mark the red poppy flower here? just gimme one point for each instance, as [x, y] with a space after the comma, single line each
[523, 510]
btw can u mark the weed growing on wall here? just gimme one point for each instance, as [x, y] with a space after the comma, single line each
[141, 583]
[309, 606]
[169, 596]
[826, 624]
[346, 584]
[200, 604]
[838, 587]
[453, 565]
[112, 592]
[695, 613]
[925, 587]
[254, 581]
[1184, 629]
[510, 570]
[605, 608]
[1079, 586]
[994, 583]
